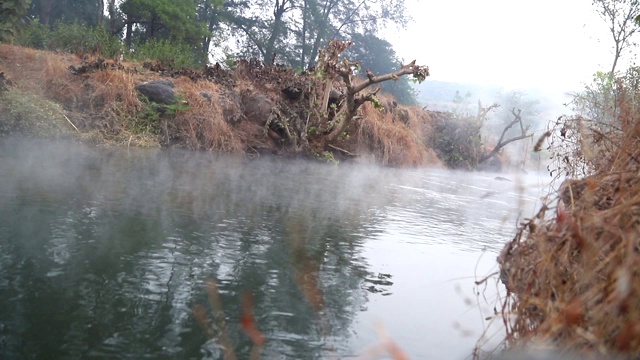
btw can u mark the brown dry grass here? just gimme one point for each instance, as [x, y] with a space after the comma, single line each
[572, 272]
[202, 125]
[113, 97]
[38, 71]
[390, 142]
[103, 104]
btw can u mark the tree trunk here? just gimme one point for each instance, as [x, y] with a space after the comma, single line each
[278, 23]
[322, 30]
[206, 42]
[303, 40]
[100, 13]
[127, 38]
[45, 11]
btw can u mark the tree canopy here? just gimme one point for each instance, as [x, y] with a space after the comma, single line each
[11, 12]
[290, 32]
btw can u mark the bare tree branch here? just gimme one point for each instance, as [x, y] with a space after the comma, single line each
[502, 143]
[620, 16]
[484, 111]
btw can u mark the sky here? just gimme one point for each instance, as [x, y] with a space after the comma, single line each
[545, 44]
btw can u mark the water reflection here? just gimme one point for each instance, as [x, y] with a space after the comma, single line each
[105, 252]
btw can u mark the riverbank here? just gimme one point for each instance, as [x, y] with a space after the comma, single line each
[572, 270]
[251, 109]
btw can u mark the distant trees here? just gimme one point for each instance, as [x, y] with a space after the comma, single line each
[162, 19]
[290, 32]
[293, 31]
[528, 108]
[48, 12]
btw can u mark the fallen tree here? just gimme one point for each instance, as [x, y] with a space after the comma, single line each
[324, 101]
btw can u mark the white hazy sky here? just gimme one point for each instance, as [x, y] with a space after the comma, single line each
[546, 44]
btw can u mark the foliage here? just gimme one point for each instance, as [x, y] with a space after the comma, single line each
[74, 38]
[36, 35]
[213, 13]
[11, 18]
[176, 20]
[597, 100]
[51, 12]
[154, 117]
[605, 110]
[296, 30]
[457, 139]
[170, 53]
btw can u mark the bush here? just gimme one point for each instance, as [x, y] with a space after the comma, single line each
[456, 139]
[36, 36]
[75, 38]
[169, 53]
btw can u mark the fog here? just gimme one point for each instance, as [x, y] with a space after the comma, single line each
[112, 247]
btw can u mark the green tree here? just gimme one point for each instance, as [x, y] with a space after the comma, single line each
[214, 13]
[295, 30]
[48, 12]
[11, 16]
[175, 20]
[334, 19]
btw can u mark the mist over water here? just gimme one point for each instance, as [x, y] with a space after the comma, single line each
[105, 252]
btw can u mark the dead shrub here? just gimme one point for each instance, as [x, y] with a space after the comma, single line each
[112, 100]
[421, 125]
[572, 271]
[59, 84]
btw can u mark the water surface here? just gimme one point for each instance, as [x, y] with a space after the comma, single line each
[104, 253]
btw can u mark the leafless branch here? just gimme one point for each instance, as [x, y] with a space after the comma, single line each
[502, 143]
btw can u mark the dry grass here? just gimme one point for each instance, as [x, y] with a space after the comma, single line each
[421, 125]
[104, 103]
[572, 272]
[113, 96]
[390, 142]
[202, 125]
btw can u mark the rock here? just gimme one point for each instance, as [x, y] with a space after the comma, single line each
[158, 91]
[292, 92]
[257, 108]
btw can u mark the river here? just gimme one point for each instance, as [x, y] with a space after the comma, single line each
[105, 253]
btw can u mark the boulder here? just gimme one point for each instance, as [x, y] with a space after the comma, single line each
[158, 91]
[257, 108]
